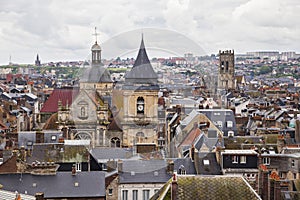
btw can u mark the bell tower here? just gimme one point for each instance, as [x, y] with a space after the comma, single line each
[226, 70]
[140, 98]
[96, 51]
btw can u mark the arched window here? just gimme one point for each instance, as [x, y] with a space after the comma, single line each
[140, 105]
[140, 137]
[115, 142]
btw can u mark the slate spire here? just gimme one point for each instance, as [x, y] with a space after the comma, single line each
[142, 71]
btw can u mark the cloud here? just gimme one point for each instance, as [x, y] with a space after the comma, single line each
[62, 30]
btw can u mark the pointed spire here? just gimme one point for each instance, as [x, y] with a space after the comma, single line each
[142, 71]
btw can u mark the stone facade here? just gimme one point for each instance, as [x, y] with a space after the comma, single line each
[226, 80]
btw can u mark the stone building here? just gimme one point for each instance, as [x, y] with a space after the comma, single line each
[226, 79]
[137, 104]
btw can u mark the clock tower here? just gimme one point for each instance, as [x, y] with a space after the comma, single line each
[139, 99]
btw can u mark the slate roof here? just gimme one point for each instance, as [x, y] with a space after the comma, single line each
[206, 164]
[61, 185]
[105, 154]
[65, 95]
[209, 187]
[187, 163]
[53, 153]
[142, 71]
[144, 171]
[96, 74]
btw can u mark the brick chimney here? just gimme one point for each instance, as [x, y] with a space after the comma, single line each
[73, 170]
[174, 187]
[263, 182]
[192, 152]
[39, 196]
[170, 167]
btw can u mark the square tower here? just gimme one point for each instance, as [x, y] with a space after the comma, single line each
[226, 70]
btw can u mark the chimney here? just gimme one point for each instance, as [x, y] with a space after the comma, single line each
[265, 185]
[39, 196]
[73, 170]
[192, 152]
[174, 187]
[170, 167]
[120, 166]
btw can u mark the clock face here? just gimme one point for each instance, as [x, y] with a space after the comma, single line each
[140, 107]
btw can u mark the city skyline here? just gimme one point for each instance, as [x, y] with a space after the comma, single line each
[62, 31]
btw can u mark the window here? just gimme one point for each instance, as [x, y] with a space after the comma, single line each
[206, 162]
[134, 194]
[124, 194]
[293, 163]
[220, 124]
[78, 167]
[266, 161]
[229, 124]
[104, 167]
[234, 159]
[243, 159]
[146, 194]
[110, 191]
[53, 138]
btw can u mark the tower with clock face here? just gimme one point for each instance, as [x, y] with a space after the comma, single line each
[139, 103]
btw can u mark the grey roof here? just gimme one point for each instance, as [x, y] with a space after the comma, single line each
[206, 164]
[144, 171]
[58, 152]
[221, 115]
[187, 163]
[61, 185]
[96, 74]
[142, 71]
[110, 153]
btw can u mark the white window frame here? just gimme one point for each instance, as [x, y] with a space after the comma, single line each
[243, 159]
[229, 124]
[146, 194]
[78, 167]
[124, 194]
[135, 194]
[235, 159]
[266, 160]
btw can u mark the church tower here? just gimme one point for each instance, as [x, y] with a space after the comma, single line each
[140, 109]
[37, 61]
[96, 77]
[226, 70]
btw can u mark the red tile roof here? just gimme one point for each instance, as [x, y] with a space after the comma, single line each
[65, 95]
[190, 138]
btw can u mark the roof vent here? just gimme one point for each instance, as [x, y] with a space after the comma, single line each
[132, 173]
[76, 184]
[156, 173]
[33, 184]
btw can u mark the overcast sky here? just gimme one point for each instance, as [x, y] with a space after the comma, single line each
[61, 30]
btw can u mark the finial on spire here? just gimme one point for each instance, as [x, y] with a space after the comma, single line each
[96, 34]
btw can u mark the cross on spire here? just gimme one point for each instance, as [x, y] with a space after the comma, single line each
[96, 34]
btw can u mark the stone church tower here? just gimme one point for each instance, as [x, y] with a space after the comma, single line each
[140, 109]
[226, 70]
[96, 77]
[87, 116]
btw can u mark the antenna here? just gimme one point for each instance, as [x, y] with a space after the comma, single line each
[96, 34]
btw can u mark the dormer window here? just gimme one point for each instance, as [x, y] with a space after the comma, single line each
[181, 170]
[140, 105]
